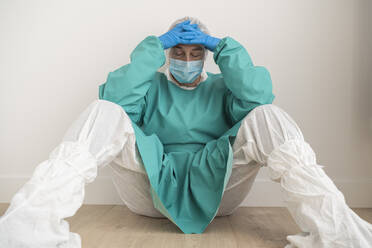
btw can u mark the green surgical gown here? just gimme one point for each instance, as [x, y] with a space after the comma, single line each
[185, 136]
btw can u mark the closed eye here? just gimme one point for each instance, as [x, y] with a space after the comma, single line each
[195, 55]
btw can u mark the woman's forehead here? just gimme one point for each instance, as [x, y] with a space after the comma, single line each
[193, 47]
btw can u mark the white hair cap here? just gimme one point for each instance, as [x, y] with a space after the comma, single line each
[165, 67]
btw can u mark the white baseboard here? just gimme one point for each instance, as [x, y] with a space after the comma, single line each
[264, 192]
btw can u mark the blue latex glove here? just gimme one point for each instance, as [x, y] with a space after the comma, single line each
[177, 35]
[196, 36]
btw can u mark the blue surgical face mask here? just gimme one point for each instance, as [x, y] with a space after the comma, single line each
[185, 71]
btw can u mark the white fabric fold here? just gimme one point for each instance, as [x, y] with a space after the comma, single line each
[273, 139]
[314, 201]
[35, 217]
[103, 133]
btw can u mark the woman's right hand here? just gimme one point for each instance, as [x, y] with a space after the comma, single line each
[177, 35]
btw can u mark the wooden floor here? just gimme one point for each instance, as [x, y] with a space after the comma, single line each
[108, 226]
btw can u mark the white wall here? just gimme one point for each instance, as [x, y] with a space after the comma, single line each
[54, 54]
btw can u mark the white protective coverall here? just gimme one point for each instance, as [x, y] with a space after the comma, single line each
[102, 135]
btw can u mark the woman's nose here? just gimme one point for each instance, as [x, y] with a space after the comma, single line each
[188, 57]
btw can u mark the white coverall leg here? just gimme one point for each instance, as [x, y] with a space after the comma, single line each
[271, 137]
[55, 191]
[268, 136]
[103, 134]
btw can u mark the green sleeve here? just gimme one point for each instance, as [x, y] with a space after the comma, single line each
[248, 86]
[129, 84]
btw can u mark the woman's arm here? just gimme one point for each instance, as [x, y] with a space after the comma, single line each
[248, 86]
[128, 85]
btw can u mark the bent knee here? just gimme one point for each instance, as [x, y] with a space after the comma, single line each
[109, 108]
[272, 118]
[261, 109]
[107, 104]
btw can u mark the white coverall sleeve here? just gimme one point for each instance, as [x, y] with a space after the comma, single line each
[55, 191]
[271, 137]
